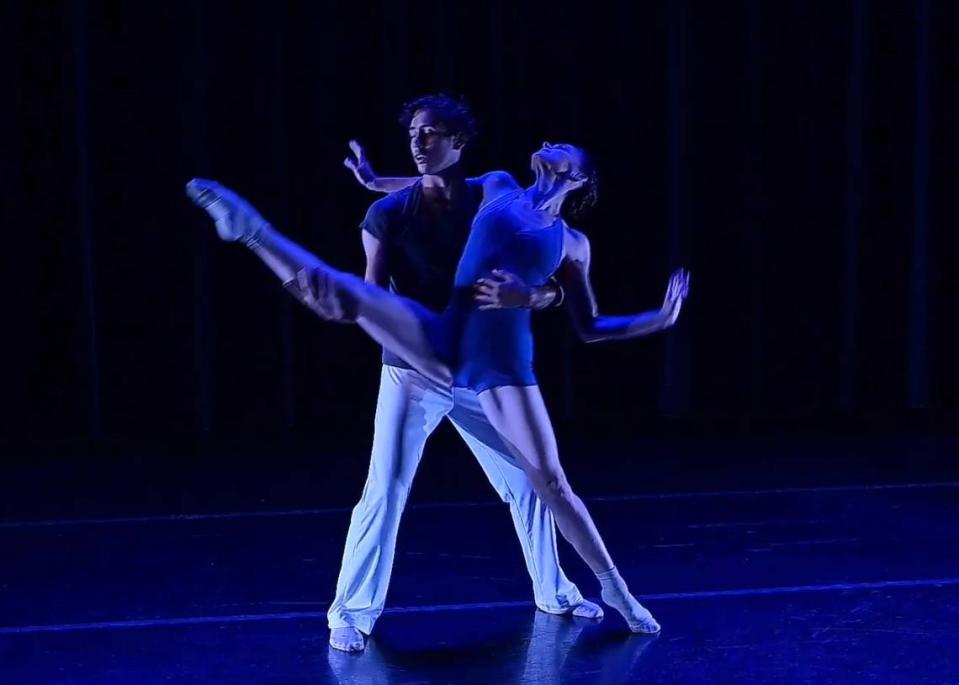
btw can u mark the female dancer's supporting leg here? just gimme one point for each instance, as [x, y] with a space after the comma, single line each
[393, 321]
[519, 415]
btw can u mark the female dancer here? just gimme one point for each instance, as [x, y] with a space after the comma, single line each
[487, 350]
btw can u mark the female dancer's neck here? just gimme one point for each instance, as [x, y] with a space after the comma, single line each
[546, 195]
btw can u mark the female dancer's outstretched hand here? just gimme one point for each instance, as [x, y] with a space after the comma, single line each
[360, 166]
[676, 292]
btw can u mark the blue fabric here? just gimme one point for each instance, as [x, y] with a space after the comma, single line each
[422, 248]
[486, 349]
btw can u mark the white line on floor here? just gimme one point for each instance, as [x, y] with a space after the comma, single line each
[309, 615]
[453, 505]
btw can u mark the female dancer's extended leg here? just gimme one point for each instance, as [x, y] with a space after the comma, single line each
[397, 323]
[519, 415]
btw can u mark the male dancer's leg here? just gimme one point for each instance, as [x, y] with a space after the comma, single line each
[552, 590]
[408, 409]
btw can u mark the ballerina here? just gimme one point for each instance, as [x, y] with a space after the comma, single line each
[488, 351]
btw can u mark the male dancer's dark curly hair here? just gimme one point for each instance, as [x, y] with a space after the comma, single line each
[584, 198]
[454, 112]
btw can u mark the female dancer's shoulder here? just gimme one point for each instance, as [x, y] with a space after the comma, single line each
[496, 184]
[576, 246]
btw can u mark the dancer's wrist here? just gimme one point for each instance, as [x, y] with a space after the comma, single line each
[559, 295]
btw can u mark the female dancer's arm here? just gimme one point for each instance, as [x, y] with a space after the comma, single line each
[590, 325]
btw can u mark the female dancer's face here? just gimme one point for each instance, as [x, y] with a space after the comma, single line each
[561, 160]
[432, 146]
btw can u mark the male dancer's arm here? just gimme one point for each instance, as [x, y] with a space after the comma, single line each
[505, 290]
[377, 269]
[367, 178]
[501, 290]
[590, 325]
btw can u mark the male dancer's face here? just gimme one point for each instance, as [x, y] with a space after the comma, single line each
[432, 146]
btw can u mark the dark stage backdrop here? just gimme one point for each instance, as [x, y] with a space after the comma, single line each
[798, 157]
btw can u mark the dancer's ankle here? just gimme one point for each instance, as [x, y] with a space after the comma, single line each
[257, 235]
[617, 595]
[610, 578]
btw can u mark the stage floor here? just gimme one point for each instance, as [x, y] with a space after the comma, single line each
[821, 584]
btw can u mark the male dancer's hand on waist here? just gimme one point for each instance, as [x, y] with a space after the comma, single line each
[502, 290]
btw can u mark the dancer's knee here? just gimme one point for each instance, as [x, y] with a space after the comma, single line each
[554, 489]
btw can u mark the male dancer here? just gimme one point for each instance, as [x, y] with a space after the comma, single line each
[413, 240]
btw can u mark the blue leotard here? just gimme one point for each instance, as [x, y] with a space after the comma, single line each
[492, 348]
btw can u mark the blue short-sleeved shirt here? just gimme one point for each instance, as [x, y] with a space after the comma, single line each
[423, 250]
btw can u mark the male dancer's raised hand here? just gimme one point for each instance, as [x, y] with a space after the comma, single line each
[366, 177]
[360, 166]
